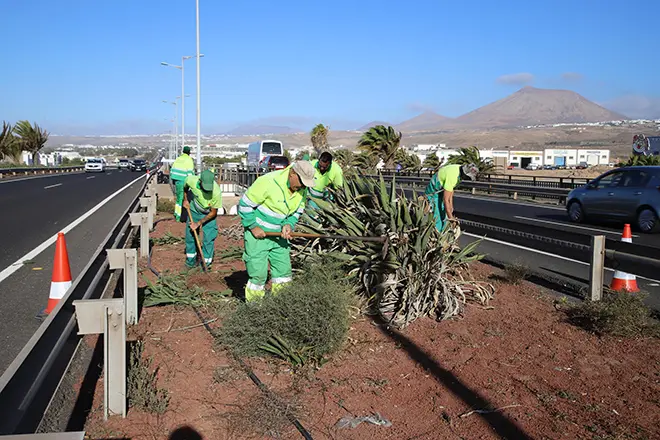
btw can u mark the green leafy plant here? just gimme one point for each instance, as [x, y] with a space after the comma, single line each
[319, 138]
[303, 323]
[471, 155]
[431, 161]
[166, 239]
[640, 160]
[165, 205]
[175, 289]
[381, 141]
[423, 273]
[31, 137]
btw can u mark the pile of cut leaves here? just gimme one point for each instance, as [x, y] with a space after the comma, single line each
[174, 289]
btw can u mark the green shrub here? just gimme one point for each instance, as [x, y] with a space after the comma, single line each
[617, 314]
[305, 321]
[165, 205]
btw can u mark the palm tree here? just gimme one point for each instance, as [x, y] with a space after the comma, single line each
[32, 138]
[344, 157]
[381, 141]
[431, 161]
[471, 155]
[366, 161]
[319, 137]
[408, 162]
[10, 148]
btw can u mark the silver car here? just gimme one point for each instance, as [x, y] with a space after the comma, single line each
[628, 194]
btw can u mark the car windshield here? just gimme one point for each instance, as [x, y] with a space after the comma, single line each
[94, 161]
[123, 160]
[271, 148]
[139, 161]
[279, 160]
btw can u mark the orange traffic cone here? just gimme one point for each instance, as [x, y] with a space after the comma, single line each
[61, 279]
[622, 280]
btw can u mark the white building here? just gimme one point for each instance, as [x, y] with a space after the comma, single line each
[572, 157]
[521, 158]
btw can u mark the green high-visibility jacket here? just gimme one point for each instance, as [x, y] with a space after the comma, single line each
[333, 176]
[203, 201]
[269, 203]
[182, 167]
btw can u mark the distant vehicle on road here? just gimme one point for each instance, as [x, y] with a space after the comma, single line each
[123, 164]
[272, 163]
[94, 165]
[138, 165]
[628, 194]
[582, 166]
[260, 149]
[532, 167]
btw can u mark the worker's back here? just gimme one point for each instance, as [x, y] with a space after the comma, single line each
[182, 167]
[449, 176]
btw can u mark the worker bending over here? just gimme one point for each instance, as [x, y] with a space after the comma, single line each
[182, 167]
[327, 174]
[204, 197]
[273, 203]
[440, 191]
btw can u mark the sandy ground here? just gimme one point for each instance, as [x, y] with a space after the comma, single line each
[514, 369]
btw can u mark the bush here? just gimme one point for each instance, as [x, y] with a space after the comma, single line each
[618, 314]
[141, 387]
[165, 205]
[516, 273]
[305, 321]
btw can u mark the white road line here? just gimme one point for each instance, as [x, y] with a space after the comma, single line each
[43, 246]
[495, 200]
[52, 186]
[569, 225]
[517, 246]
[91, 177]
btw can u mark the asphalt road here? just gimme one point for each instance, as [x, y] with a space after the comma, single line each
[34, 210]
[547, 216]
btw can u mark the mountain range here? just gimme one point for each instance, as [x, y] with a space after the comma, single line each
[527, 106]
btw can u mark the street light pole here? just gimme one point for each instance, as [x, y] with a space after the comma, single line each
[199, 125]
[176, 128]
[183, 93]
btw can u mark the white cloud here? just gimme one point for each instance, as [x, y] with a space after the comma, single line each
[572, 76]
[516, 79]
[636, 106]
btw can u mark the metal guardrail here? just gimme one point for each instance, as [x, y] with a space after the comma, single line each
[4, 172]
[29, 383]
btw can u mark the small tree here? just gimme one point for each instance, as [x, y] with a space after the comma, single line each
[319, 138]
[345, 158]
[10, 148]
[288, 155]
[381, 141]
[471, 155]
[431, 161]
[32, 138]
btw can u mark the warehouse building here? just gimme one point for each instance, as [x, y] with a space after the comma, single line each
[521, 159]
[572, 157]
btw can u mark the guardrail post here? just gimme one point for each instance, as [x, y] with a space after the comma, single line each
[141, 219]
[515, 195]
[96, 316]
[474, 190]
[147, 202]
[126, 259]
[597, 267]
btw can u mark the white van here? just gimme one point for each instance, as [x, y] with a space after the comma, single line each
[260, 149]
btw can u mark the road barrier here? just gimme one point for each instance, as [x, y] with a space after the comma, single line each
[11, 172]
[30, 382]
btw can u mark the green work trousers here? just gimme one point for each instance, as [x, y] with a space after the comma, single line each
[439, 213]
[178, 188]
[209, 234]
[259, 252]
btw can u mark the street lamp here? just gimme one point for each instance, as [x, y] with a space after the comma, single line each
[183, 104]
[176, 133]
[199, 124]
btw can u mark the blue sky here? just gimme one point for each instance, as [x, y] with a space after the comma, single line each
[91, 67]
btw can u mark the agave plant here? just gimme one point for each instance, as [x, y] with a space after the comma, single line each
[423, 271]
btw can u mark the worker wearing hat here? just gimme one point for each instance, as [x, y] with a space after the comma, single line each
[204, 197]
[440, 191]
[273, 203]
[182, 167]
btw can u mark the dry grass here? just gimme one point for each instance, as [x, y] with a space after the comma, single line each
[265, 416]
[516, 273]
[142, 389]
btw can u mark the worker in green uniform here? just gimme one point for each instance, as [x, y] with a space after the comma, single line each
[440, 191]
[203, 196]
[273, 203]
[182, 167]
[327, 174]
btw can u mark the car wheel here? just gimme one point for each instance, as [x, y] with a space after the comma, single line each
[575, 212]
[647, 220]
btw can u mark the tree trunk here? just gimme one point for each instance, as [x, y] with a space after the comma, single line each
[35, 159]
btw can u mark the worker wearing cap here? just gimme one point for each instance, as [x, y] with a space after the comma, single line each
[204, 197]
[273, 203]
[182, 167]
[440, 191]
[327, 174]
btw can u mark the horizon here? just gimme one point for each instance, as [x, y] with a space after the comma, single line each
[97, 70]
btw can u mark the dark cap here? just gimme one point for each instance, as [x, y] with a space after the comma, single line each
[206, 180]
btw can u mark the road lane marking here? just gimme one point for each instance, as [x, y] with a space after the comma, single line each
[495, 200]
[52, 186]
[43, 246]
[517, 246]
[43, 176]
[569, 225]
[91, 177]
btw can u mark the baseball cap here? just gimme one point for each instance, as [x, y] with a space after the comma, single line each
[186, 149]
[206, 180]
[305, 170]
[470, 170]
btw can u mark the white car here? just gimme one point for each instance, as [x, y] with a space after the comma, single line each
[94, 165]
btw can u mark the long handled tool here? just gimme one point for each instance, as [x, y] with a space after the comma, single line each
[383, 240]
[199, 245]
